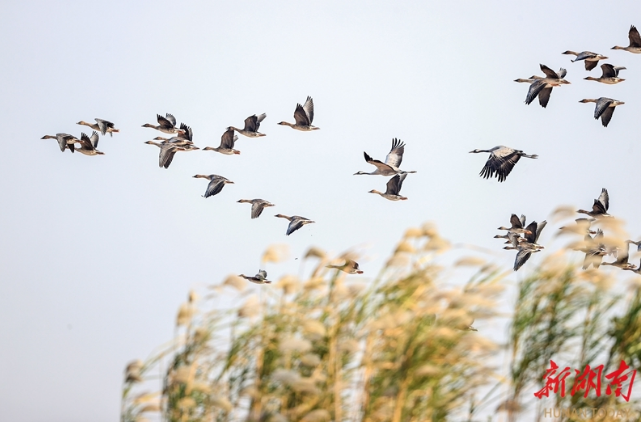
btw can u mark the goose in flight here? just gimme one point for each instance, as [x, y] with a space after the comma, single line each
[88, 145]
[252, 123]
[103, 126]
[304, 116]
[165, 124]
[257, 206]
[604, 108]
[501, 161]
[531, 236]
[392, 163]
[393, 188]
[635, 42]
[527, 247]
[528, 80]
[216, 184]
[594, 250]
[260, 278]
[542, 88]
[591, 59]
[609, 75]
[65, 141]
[600, 206]
[295, 222]
[350, 267]
[517, 225]
[226, 143]
[168, 149]
[622, 259]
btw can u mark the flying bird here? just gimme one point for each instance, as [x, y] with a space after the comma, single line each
[393, 188]
[604, 108]
[600, 206]
[252, 123]
[295, 222]
[165, 124]
[216, 184]
[542, 88]
[257, 206]
[304, 116]
[350, 267]
[168, 148]
[501, 161]
[226, 143]
[88, 145]
[65, 141]
[591, 59]
[622, 259]
[103, 126]
[392, 163]
[260, 278]
[635, 42]
[609, 75]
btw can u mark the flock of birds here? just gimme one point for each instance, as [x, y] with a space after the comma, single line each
[500, 163]
[541, 87]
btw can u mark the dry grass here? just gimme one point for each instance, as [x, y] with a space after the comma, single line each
[398, 349]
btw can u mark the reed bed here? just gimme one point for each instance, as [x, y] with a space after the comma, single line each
[401, 348]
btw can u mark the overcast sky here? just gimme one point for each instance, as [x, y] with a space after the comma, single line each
[98, 252]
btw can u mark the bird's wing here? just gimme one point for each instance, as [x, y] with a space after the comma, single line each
[635, 38]
[601, 105]
[214, 187]
[522, 220]
[227, 140]
[294, 225]
[539, 229]
[561, 73]
[589, 65]
[171, 119]
[604, 199]
[103, 125]
[85, 142]
[379, 164]
[501, 162]
[607, 116]
[521, 258]
[163, 122]
[189, 134]
[309, 109]
[166, 156]
[251, 123]
[516, 222]
[257, 208]
[300, 116]
[531, 238]
[395, 156]
[535, 89]
[544, 96]
[608, 71]
[549, 72]
[94, 139]
[262, 274]
[393, 185]
[584, 55]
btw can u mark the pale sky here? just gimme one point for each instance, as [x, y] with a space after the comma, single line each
[98, 252]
